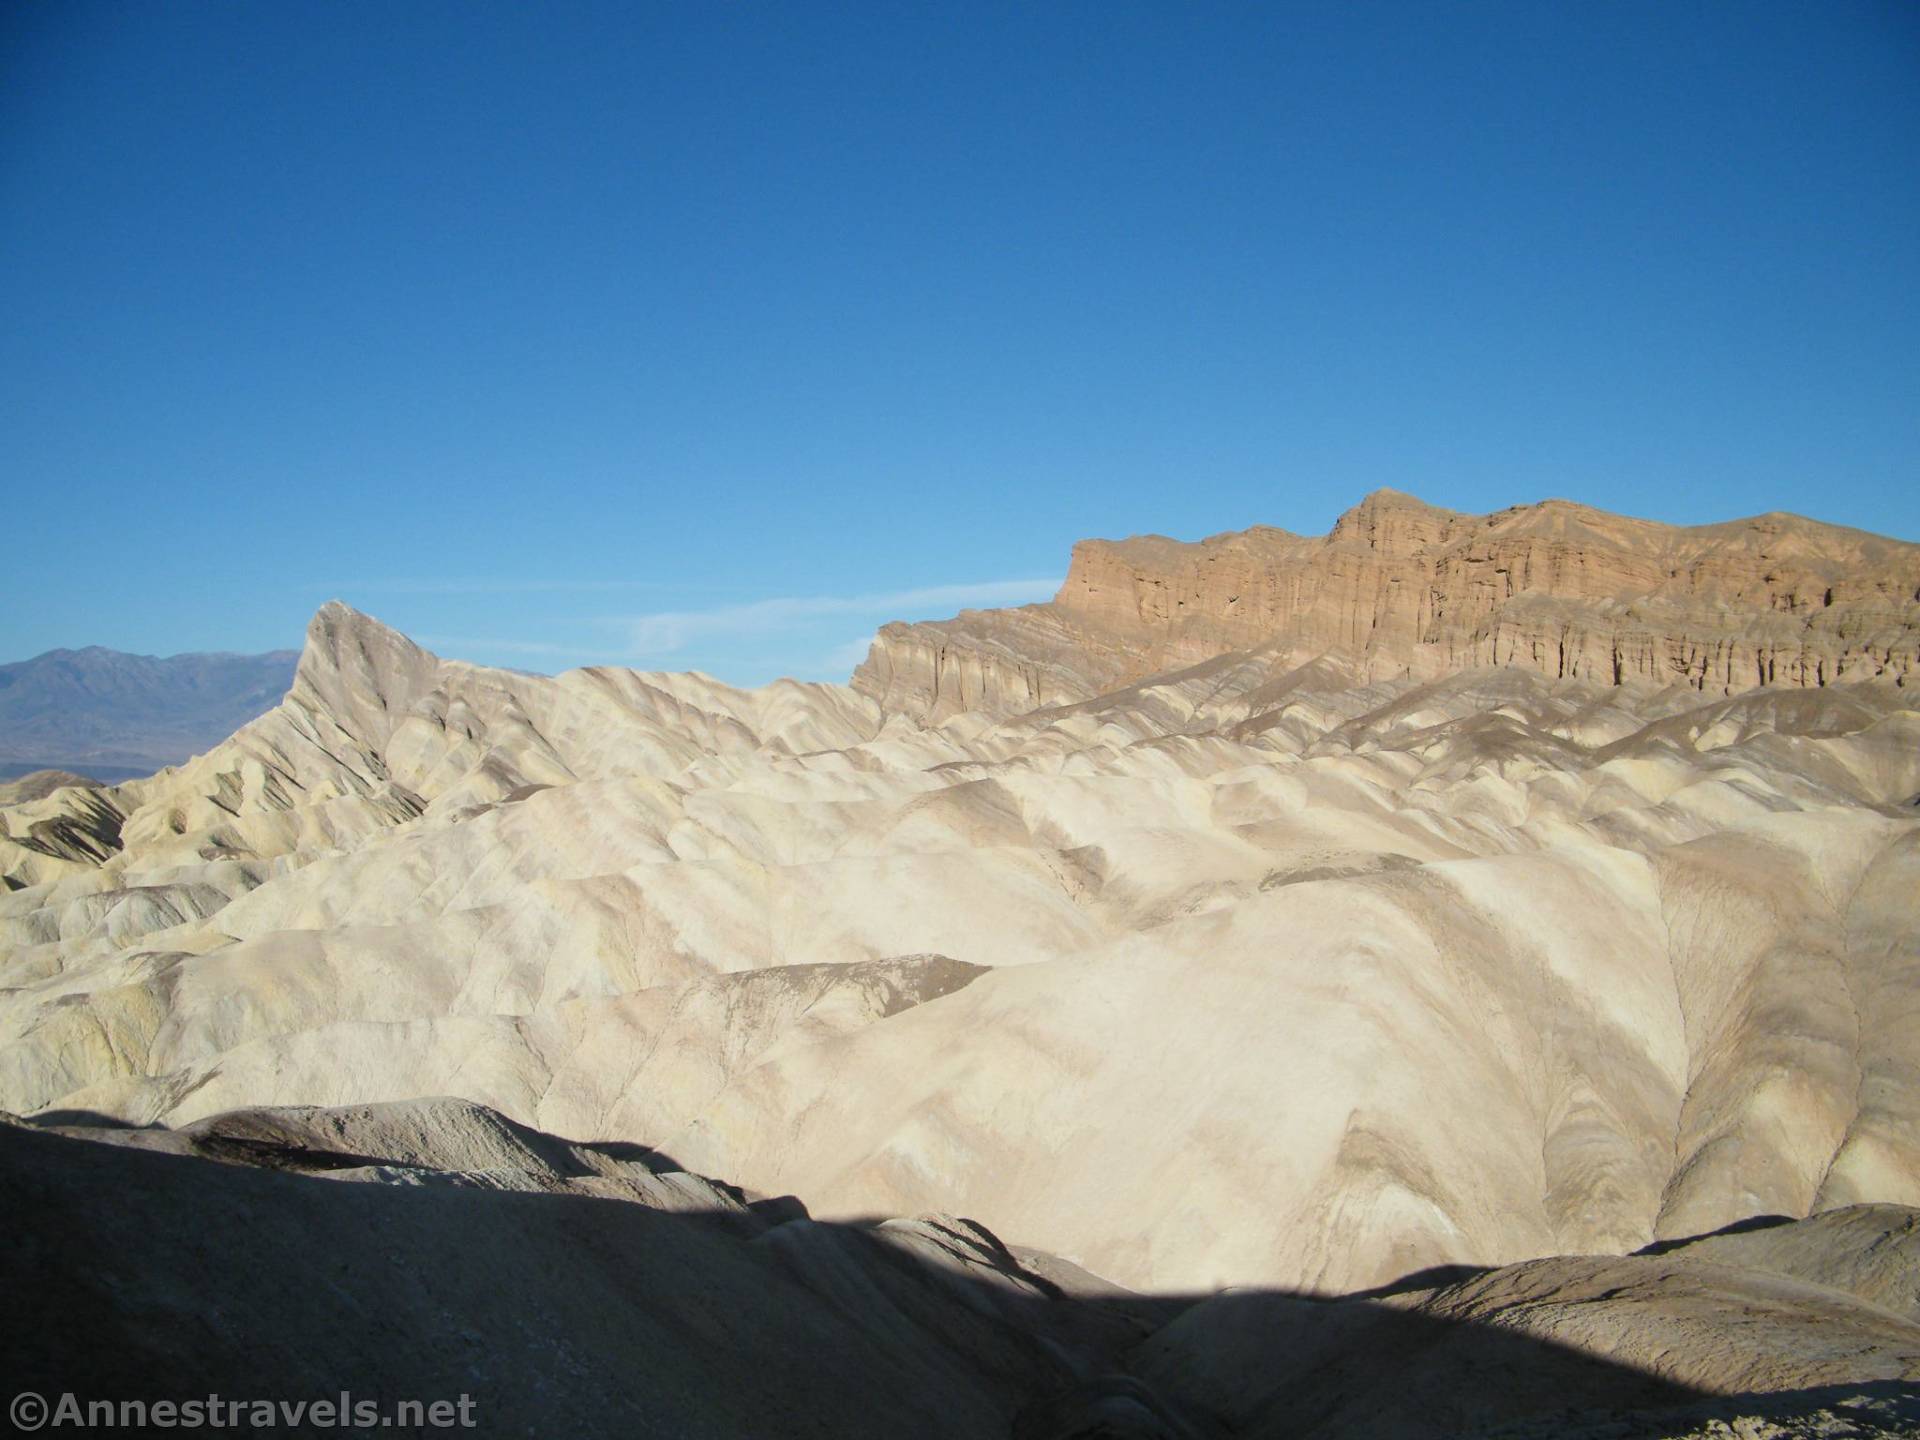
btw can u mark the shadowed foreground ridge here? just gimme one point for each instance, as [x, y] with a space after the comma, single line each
[436, 1249]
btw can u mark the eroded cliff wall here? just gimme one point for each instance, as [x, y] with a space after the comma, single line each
[1402, 588]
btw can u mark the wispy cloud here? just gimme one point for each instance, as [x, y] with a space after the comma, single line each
[420, 585]
[666, 631]
[748, 642]
[487, 643]
[844, 658]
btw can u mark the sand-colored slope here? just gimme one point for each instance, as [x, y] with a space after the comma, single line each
[1251, 972]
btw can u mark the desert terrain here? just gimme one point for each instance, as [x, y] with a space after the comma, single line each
[1455, 975]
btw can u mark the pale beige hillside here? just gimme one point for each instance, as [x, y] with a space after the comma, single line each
[1253, 972]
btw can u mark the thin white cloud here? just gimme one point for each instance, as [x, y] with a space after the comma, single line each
[647, 640]
[489, 643]
[458, 586]
[843, 659]
[666, 631]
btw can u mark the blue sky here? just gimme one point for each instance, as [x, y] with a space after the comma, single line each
[711, 335]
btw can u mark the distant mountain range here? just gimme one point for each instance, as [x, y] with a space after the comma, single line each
[114, 716]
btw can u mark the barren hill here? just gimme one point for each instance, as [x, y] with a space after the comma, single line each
[1287, 949]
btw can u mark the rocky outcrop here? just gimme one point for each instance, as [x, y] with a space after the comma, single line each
[376, 731]
[38, 784]
[1400, 588]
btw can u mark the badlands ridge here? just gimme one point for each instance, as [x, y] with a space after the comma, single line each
[1425, 899]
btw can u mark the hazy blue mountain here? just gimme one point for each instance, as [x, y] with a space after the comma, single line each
[112, 715]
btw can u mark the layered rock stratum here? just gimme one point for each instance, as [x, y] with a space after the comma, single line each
[1299, 915]
[1400, 588]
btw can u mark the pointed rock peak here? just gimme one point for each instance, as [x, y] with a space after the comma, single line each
[354, 667]
[337, 613]
[337, 628]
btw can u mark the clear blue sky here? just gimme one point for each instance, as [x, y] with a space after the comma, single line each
[511, 323]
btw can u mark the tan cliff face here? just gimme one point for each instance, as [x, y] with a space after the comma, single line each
[1402, 588]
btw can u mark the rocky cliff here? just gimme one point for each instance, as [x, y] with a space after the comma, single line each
[1400, 588]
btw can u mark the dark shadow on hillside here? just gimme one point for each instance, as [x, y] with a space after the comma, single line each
[1738, 1227]
[134, 1273]
[82, 1119]
[1433, 1277]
